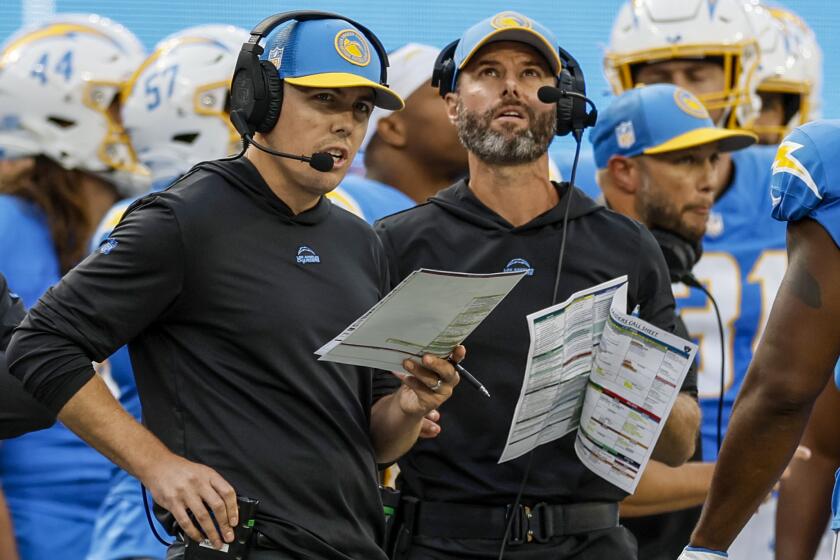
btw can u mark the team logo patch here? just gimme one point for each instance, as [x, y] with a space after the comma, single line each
[786, 162]
[519, 265]
[625, 134]
[306, 255]
[510, 19]
[275, 56]
[352, 47]
[690, 104]
[108, 245]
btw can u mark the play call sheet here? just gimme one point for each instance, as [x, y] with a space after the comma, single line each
[609, 375]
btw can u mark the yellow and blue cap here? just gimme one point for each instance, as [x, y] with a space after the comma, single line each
[328, 53]
[507, 26]
[657, 119]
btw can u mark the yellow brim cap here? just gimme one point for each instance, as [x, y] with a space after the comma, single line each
[728, 140]
[524, 35]
[382, 96]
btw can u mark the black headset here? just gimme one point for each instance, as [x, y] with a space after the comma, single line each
[571, 109]
[257, 90]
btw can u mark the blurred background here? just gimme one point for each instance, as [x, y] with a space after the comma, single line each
[581, 27]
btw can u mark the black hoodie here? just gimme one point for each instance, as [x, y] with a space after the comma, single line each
[455, 231]
[223, 295]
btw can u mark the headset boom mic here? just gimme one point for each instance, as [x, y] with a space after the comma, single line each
[321, 161]
[549, 94]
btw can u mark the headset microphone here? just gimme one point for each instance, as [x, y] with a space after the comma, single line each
[319, 161]
[549, 94]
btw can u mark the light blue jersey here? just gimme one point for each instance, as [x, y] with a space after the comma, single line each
[54, 483]
[122, 529]
[806, 184]
[806, 176]
[373, 199]
[744, 261]
[27, 254]
[586, 169]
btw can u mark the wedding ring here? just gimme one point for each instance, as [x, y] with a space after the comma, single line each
[437, 385]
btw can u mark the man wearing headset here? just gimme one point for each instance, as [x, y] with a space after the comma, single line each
[223, 286]
[508, 215]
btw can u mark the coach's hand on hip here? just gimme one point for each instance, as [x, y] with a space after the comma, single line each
[181, 486]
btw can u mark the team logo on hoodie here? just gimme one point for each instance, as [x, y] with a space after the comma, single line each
[519, 265]
[305, 255]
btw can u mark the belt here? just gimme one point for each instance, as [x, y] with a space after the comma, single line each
[538, 523]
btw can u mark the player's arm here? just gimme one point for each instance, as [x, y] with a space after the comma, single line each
[803, 508]
[96, 308]
[791, 367]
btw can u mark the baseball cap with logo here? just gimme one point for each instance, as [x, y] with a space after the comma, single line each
[507, 26]
[658, 119]
[328, 53]
[411, 68]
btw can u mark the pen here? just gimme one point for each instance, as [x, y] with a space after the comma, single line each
[469, 377]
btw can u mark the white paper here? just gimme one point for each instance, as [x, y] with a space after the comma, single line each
[636, 377]
[430, 312]
[563, 339]
[617, 396]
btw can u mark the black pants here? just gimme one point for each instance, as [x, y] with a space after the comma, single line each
[608, 544]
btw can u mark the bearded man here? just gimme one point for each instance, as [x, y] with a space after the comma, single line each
[508, 215]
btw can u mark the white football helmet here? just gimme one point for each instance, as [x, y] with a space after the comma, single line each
[175, 107]
[809, 66]
[59, 84]
[782, 69]
[649, 31]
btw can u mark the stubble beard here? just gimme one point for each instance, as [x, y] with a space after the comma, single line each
[659, 213]
[497, 148]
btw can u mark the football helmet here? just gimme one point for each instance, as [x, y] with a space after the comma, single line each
[650, 31]
[809, 61]
[175, 106]
[59, 88]
[782, 70]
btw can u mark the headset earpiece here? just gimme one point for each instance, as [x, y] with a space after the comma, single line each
[571, 111]
[274, 99]
[443, 73]
[565, 106]
[257, 91]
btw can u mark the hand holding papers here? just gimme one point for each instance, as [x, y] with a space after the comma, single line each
[610, 375]
[430, 312]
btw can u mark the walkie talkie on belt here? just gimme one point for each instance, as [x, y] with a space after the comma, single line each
[236, 550]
